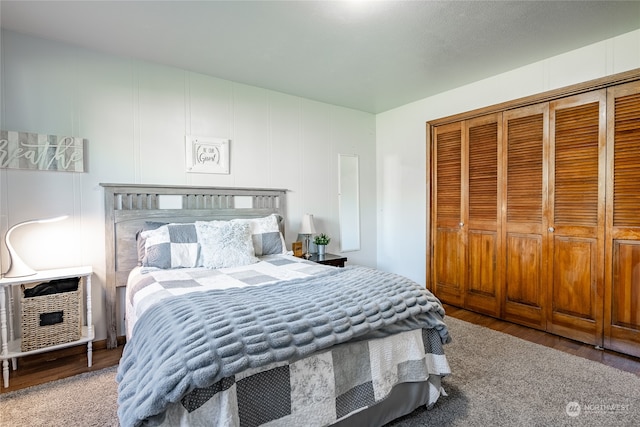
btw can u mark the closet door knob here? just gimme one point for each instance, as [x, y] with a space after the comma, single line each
[551, 229]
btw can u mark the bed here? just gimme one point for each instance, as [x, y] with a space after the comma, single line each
[226, 327]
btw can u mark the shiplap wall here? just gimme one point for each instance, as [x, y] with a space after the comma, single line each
[134, 116]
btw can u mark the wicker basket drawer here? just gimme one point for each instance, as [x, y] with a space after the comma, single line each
[49, 320]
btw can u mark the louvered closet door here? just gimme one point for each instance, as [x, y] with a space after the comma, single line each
[484, 140]
[524, 231]
[622, 278]
[448, 252]
[575, 277]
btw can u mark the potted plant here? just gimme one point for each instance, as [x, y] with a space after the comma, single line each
[321, 240]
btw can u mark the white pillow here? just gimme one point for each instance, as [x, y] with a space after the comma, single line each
[225, 244]
[265, 234]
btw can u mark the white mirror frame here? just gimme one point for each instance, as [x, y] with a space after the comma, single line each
[349, 202]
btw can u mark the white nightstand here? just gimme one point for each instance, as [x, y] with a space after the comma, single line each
[11, 347]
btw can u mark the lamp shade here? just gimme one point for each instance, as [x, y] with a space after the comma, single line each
[17, 267]
[307, 225]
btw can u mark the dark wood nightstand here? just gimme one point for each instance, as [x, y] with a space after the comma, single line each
[329, 259]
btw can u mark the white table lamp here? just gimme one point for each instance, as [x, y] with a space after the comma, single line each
[17, 267]
[307, 229]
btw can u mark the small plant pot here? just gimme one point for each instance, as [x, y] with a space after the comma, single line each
[321, 249]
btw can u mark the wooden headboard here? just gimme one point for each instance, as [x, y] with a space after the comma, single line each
[128, 206]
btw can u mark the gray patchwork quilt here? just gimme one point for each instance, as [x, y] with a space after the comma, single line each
[194, 341]
[319, 389]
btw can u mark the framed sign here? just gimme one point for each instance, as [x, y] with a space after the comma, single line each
[296, 247]
[207, 155]
[35, 151]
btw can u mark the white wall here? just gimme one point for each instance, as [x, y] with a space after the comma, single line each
[134, 116]
[401, 140]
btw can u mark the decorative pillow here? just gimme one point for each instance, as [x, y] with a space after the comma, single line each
[225, 244]
[265, 234]
[140, 241]
[171, 246]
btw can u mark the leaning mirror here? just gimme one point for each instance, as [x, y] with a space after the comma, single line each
[349, 202]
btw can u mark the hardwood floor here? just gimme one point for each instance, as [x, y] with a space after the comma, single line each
[60, 364]
[55, 365]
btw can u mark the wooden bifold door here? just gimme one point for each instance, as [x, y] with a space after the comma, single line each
[622, 283]
[535, 216]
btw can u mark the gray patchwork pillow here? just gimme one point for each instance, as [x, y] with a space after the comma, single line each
[267, 243]
[171, 246]
[141, 242]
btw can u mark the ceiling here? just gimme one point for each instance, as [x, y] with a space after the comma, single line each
[368, 55]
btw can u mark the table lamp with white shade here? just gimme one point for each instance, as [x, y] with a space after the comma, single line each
[307, 229]
[17, 267]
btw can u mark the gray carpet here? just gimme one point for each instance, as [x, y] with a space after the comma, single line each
[84, 400]
[498, 380]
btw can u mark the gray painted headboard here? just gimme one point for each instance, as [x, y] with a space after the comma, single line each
[128, 206]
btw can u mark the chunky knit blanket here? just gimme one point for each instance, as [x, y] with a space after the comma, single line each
[194, 340]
